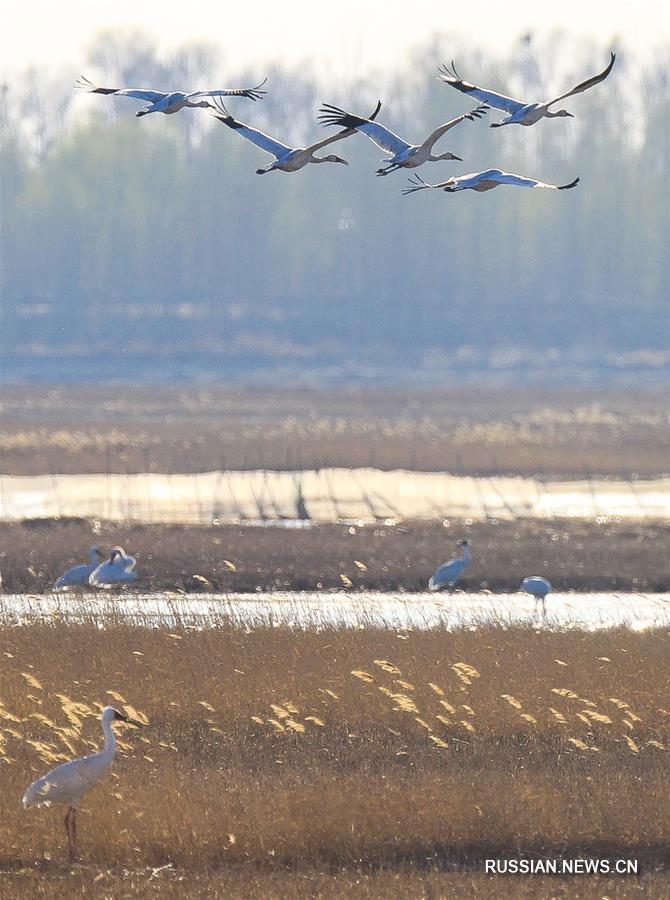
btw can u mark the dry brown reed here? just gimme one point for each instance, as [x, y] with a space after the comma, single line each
[575, 555]
[338, 763]
[552, 432]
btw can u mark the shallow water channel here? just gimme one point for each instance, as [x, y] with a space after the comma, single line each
[315, 610]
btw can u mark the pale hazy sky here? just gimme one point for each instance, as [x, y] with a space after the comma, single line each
[342, 33]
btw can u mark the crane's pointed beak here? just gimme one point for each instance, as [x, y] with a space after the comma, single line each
[135, 722]
[124, 718]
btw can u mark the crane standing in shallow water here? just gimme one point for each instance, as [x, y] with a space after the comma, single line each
[539, 587]
[71, 781]
[520, 113]
[446, 575]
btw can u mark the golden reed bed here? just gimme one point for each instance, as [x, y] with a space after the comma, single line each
[560, 433]
[371, 763]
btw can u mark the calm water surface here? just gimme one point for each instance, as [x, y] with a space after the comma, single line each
[305, 610]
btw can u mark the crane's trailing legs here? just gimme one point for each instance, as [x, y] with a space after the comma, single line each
[387, 169]
[392, 167]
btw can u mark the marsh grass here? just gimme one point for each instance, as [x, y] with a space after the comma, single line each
[359, 882]
[336, 762]
[575, 555]
[466, 431]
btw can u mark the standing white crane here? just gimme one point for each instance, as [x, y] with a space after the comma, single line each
[78, 576]
[405, 155]
[71, 781]
[539, 587]
[446, 575]
[287, 159]
[483, 181]
[520, 113]
[172, 102]
[118, 569]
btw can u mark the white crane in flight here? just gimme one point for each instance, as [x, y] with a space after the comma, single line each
[287, 159]
[404, 155]
[483, 181]
[520, 113]
[172, 102]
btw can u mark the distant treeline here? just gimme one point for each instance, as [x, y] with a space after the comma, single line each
[154, 239]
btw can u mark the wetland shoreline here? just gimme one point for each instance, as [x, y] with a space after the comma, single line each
[574, 555]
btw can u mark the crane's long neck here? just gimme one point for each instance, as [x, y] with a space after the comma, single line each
[466, 554]
[108, 751]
